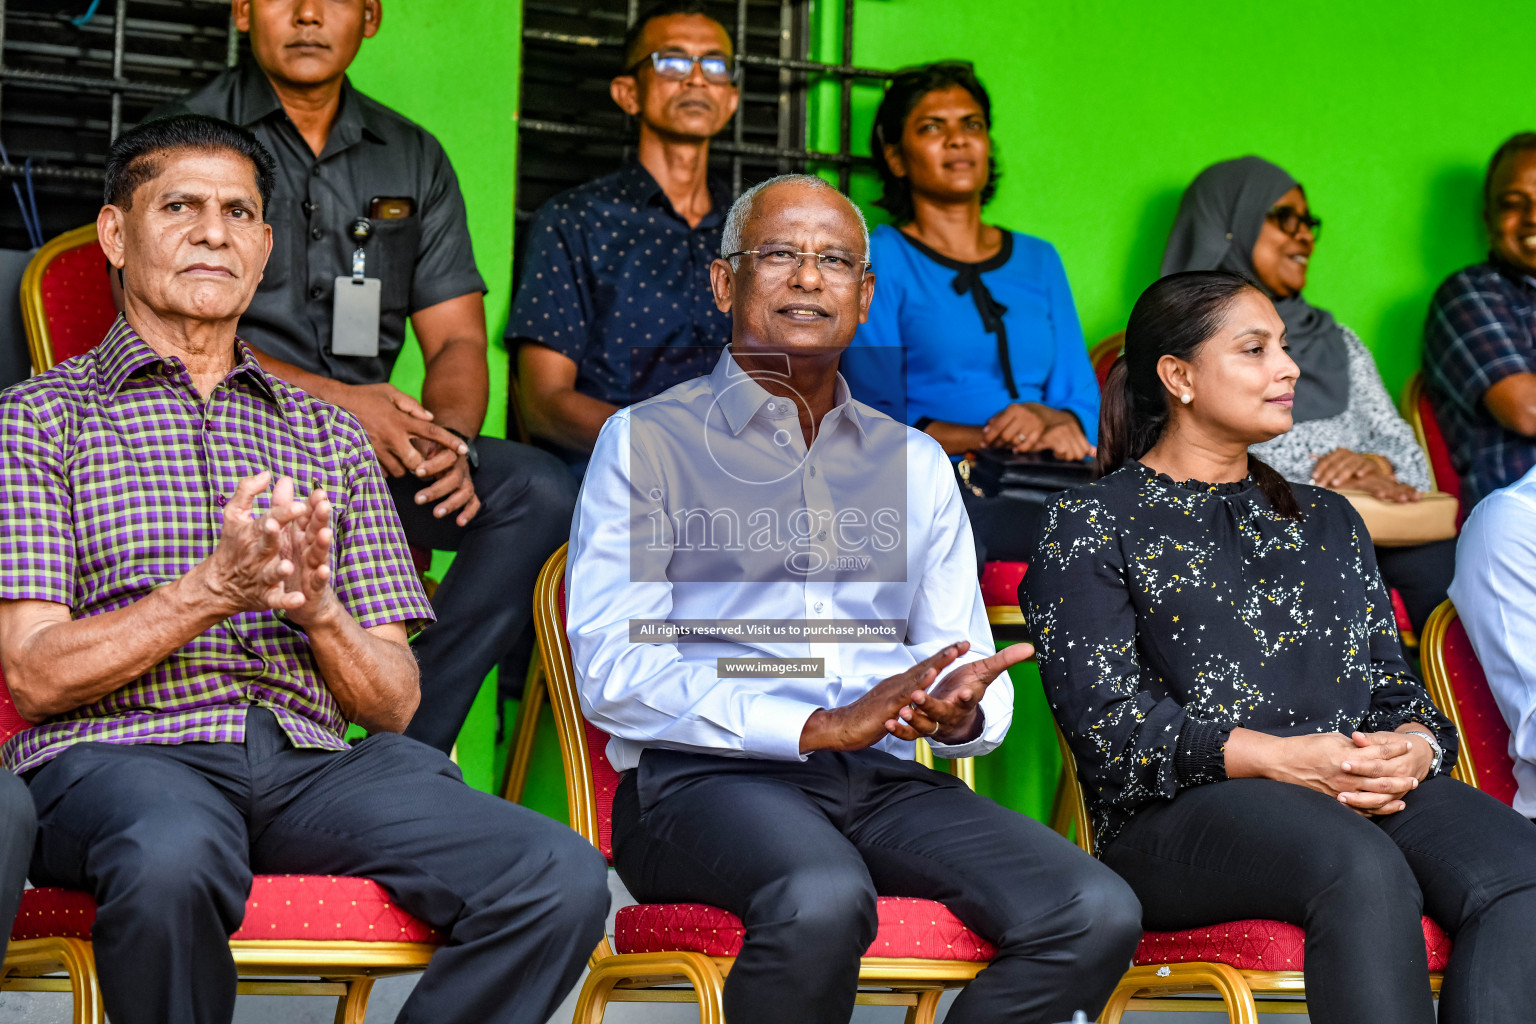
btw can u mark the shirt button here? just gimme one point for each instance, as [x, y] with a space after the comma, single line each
[315, 170]
[813, 471]
[818, 606]
[316, 234]
[222, 501]
[822, 535]
[316, 291]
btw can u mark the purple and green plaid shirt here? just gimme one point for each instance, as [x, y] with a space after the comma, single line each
[113, 477]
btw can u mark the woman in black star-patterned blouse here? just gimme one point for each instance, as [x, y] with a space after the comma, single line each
[1221, 655]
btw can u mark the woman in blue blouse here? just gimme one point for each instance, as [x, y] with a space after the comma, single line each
[981, 318]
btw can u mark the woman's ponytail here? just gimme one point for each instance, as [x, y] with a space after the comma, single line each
[1117, 413]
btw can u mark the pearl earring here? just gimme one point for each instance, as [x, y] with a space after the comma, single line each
[1186, 398]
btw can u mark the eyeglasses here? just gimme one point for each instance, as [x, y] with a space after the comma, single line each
[835, 265]
[676, 66]
[1289, 219]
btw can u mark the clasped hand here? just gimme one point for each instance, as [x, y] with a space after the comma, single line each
[903, 705]
[278, 560]
[1344, 468]
[408, 443]
[1032, 427]
[1370, 772]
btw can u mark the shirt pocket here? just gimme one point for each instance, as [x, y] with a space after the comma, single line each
[391, 252]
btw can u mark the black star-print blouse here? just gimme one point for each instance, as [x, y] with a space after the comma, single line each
[1166, 614]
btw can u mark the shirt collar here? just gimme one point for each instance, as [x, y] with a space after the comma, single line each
[643, 189]
[1513, 273]
[122, 353]
[258, 102]
[740, 397]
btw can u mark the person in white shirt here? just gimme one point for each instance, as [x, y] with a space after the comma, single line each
[760, 514]
[1494, 591]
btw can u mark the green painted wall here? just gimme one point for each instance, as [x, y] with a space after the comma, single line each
[1385, 111]
[452, 68]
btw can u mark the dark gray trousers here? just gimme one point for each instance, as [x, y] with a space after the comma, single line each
[167, 838]
[18, 827]
[800, 850]
[484, 604]
[1247, 848]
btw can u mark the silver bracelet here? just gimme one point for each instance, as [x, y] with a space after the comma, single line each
[1434, 744]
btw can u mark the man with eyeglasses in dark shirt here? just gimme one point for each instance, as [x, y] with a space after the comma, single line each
[614, 304]
[369, 230]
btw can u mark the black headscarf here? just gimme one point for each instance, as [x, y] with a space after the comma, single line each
[1219, 221]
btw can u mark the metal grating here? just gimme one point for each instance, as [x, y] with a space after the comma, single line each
[571, 132]
[69, 84]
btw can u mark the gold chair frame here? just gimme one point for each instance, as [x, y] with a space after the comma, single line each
[1437, 680]
[682, 977]
[1409, 407]
[345, 971]
[1169, 987]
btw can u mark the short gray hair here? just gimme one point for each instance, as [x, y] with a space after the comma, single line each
[741, 209]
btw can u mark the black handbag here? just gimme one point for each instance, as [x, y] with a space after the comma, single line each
[1024, 476]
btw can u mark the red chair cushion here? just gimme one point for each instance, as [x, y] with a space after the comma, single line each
[1105, 362]
[1000, 582]
[1446, 477]
[77, 300]
[287, 907]
[1255, 946]
[11, 722]
[908, 928]
[1484, 733]
[1400, 613]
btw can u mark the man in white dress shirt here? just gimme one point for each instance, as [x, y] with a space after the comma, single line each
[1495, 596]
[772, 594]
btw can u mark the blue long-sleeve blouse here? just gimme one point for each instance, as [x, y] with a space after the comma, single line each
[954, 371]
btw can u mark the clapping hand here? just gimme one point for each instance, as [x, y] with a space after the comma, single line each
[952, 706]
[279, 560]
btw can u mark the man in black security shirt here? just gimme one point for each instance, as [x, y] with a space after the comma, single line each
[614, 304]
[355, 177]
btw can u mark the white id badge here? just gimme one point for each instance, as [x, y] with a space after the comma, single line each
[355, 317]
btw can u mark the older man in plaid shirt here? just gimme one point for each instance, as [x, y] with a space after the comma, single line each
[191, 635]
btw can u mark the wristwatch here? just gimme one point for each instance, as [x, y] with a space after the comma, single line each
[473, 454]
[1434, 744]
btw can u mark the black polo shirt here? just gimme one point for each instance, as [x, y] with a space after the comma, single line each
[616, 280]
[421, 260]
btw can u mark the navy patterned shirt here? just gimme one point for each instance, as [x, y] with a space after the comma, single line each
[618, 282]
[1481, 329]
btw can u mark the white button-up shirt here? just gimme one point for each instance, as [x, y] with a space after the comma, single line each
[703, 508]
[1495, 596]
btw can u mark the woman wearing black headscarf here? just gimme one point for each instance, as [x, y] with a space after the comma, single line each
[1250, 217]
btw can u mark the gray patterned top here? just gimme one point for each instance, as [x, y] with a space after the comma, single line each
[1370, 424]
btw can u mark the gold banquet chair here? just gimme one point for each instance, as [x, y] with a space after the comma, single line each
[1236, 960]
[303, 935]
[659, 947]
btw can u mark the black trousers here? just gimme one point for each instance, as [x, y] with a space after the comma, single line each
[1421, 573]
[800, 850]
[1248, 848]
[1004, 528]
[18, 828]
[167, 837]
[484, 605]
